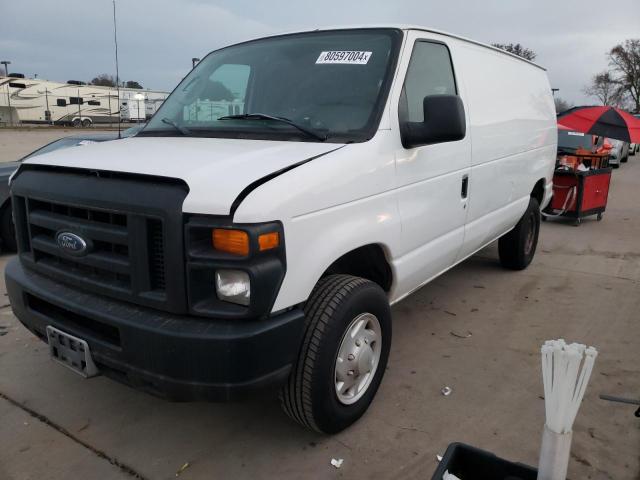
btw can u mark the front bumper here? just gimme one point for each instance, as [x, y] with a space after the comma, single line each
[173, 356]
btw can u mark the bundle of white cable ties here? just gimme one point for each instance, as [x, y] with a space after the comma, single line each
[564, 386]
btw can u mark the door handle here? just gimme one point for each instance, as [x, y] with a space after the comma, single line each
[465, 186]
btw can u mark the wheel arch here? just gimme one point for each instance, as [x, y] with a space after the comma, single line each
[538, 191]
[370, 261]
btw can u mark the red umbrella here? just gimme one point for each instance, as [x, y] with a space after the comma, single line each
[604, 121]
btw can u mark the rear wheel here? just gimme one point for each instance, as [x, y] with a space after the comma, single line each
[343, 356]
[76, 123]
[517, 247]
[86, 123]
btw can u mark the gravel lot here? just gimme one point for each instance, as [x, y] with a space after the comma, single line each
[584, 285]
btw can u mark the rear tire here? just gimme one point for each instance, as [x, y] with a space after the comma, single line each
[316, 395]
[76, 123]
[86, 123]
[7, 230]
[517, 247]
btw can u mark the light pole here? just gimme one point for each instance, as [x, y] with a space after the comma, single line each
[554, 90]
[6, 64]
[138, 97]
[194, 61]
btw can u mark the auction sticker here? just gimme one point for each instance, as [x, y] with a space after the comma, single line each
[351, 57]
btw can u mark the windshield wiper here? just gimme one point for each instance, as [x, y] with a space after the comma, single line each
[264, 116]
[183, 130]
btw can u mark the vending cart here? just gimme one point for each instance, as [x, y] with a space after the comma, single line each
[580, 187]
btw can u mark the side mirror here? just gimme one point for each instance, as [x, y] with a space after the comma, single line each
[443, 122]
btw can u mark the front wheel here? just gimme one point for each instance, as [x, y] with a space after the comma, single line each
[343, 356]
[517, 247]
[86, 123]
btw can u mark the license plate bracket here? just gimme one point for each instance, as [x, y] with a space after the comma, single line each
[72, 352]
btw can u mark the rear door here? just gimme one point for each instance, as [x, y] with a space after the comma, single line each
[432, 179]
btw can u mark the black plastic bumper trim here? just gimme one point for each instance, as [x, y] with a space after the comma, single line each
[178, 357]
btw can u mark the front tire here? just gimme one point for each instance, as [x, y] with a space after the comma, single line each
[343, 355]
[517, 247]
[86, 123]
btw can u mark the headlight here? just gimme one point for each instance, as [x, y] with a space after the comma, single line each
[233, 286]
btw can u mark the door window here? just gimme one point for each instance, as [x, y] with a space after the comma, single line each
[430, 72]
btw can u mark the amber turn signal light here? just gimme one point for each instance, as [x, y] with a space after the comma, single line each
[235, 242]
[267, 241]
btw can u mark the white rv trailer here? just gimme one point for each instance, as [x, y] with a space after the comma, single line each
[133, 106]
[26, 100]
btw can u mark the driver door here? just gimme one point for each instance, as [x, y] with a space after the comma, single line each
[433, 179]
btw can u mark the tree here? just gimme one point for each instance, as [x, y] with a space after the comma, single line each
[517, 49]
[132, 84]
[561, 105]
[625, 60]
[606, 88]
[103, 80]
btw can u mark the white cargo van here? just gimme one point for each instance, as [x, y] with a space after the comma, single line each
[213, 255]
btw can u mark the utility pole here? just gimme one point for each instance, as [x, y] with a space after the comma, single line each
[6, 64]
[79, 110]
[47, 114]
[9, 103]
[554, 90]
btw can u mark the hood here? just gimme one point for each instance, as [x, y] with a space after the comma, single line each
[216, 170]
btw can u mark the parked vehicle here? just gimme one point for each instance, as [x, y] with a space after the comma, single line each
[33, 100]
[7, 231]
[210, 257]
[570, 142]
[619, 153]
[635, 147]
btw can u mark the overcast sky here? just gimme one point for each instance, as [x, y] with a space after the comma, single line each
[73, 39]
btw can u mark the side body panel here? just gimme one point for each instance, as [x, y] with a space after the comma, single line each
[328, 207]
[513, 127]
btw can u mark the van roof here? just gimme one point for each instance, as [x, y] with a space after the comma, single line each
[407, 27]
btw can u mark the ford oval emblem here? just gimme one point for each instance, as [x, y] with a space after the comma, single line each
[71, 244]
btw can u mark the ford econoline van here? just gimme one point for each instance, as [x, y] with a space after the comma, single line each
[255, 233]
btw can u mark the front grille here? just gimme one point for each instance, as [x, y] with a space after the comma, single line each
[132, 226]
[109, 263]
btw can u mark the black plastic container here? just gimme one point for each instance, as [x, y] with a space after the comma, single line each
[471, 463]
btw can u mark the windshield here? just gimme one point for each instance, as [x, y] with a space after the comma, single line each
[333, 84]
[573, 140]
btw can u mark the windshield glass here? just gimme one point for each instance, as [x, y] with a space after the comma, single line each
[574, 140]
[331, 83]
